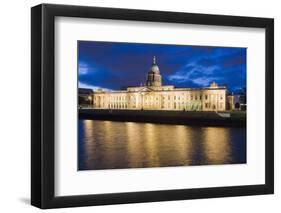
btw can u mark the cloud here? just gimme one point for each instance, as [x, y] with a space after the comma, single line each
[86, 68]
[83, 68]
[205, 81]
[198, 74]
[205, 65]
[88, 86]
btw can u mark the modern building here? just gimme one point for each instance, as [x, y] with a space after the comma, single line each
[155, 96]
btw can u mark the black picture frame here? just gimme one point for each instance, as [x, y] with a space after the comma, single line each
[43, 102]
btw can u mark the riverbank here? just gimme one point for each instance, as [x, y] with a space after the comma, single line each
[237, 118]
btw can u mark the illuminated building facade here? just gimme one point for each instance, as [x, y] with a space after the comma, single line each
[155, 96]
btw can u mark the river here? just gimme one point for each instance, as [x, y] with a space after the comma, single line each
[116, 145]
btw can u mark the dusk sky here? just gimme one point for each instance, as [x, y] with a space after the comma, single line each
[111, 65]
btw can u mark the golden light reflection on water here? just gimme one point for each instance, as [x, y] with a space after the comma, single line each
[134, 145]
[216, 145]
[89, 134]
[109, 145]
[151, 157]
[183, 146]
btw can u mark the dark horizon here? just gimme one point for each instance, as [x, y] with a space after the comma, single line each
[114, 65]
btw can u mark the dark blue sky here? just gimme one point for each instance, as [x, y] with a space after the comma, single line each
[112, 65]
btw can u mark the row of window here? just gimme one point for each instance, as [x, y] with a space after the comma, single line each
[168, 97]
[168, 106]
[149, 102]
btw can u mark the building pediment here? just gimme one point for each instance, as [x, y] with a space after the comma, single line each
[140, 89]
[146, 89]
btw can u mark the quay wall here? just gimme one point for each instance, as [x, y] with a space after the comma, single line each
[236, 118]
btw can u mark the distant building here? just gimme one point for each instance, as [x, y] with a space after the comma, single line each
[85, 97]
[230, 102]
[243, 100]
[155, 96]
[236, 102]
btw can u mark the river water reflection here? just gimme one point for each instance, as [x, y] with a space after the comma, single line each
[115, 145]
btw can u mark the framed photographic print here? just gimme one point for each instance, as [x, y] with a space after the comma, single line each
[139, 106]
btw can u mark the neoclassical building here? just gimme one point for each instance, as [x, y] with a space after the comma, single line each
[155, 96]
